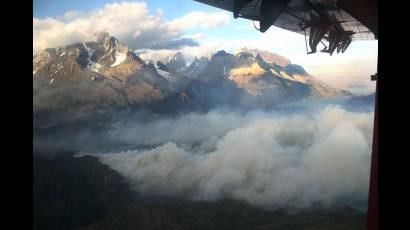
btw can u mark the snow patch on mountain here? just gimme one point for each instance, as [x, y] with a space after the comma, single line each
[119, 58]
[91, 66]
[164, 74]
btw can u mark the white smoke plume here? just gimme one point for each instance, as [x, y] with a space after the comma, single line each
[266, 159]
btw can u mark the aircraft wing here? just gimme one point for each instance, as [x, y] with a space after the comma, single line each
[293, 14]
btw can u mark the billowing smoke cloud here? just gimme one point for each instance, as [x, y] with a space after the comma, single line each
[266, 159]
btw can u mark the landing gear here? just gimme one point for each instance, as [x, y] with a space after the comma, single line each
[338, 38]
[318, 29]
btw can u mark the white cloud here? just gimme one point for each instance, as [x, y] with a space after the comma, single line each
[128, 21]
[189, 52]
[136, 33]
[70, 15]
[201, 20]
[155, 55]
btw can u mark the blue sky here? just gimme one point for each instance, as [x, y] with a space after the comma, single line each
[172, 8]
[167, 22]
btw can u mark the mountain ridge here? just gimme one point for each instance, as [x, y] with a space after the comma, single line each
[87, 83]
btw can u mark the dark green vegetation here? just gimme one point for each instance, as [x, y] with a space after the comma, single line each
[81, 193]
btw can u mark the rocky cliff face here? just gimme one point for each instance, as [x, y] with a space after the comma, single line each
[177, 62]
[267, 56]
[249, 80]
[196, 67]
[109, 52]
[89, 82]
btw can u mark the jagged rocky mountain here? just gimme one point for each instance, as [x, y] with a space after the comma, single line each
[89, 84]
[196, 67]
[111, 74]
[267, 56]
[177, 62]
[249, 80]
